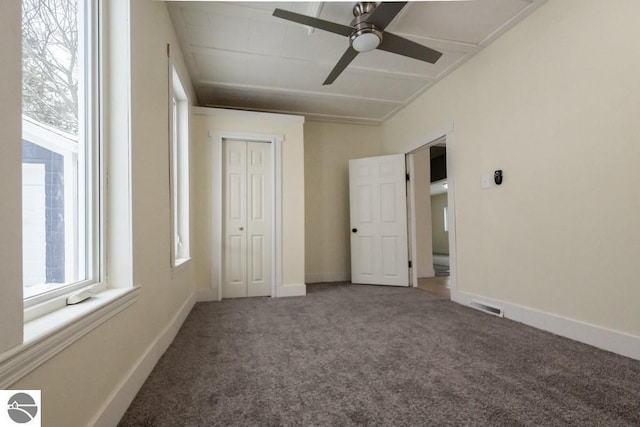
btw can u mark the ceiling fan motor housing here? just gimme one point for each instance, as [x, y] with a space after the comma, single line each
[366, 36]
[366, 32]
[363, 7]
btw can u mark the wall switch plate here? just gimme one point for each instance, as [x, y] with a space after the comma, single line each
[486, 180]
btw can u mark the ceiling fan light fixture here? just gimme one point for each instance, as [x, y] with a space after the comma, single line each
[365, 33]
[365, 40]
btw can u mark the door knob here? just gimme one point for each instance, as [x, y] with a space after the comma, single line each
[355, 230]
[241, 228]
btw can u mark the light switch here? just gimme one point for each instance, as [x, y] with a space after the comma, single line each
[486, 180]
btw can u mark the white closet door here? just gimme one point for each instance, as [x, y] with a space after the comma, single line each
[378, 205]
[259, 221]
[247, 219]
[235, 220]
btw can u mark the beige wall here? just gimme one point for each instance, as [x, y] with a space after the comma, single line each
[213, 120]
[554, 103]
[423, 259]
[440, 237]
[95, 366]
[328, 147]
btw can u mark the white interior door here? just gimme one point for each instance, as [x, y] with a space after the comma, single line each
[378, 205]
[247, 198]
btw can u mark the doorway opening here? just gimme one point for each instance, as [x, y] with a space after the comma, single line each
[431, 218]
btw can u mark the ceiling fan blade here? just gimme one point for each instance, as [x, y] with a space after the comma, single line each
[346, 59]
[384, 13]
[401, 46]
[321, 24]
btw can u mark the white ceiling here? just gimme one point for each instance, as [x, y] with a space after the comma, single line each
[239, 56]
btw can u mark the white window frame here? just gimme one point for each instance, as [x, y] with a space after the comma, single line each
[179, 169]
[89, 226]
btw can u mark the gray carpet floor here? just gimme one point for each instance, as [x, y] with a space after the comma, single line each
[371, 355]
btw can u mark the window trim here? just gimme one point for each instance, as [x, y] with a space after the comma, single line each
[48, 335]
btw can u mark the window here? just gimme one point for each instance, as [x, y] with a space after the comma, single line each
[179, 166]
[60, 150]
[446, 219]
[61, 170]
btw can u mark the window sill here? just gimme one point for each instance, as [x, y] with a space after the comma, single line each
[181, 262]
[48, 335]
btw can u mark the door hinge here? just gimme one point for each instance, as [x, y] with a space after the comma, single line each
[409, 264]
[408, 177]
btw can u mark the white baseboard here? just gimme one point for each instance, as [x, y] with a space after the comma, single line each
[327, 277]
[117, 404]
[204, 295]
[282, 291]
[597, 336]
[291, 290]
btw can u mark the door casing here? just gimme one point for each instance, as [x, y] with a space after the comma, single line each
[446, 135]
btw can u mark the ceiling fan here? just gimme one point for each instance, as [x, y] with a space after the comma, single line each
[366, 33]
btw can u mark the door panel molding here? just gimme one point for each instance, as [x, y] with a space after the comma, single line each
[378, 215]
[275, 182]
[246, 215]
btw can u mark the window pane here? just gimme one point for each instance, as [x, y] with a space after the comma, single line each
[179, 170]
[446, 219]
[175, 183]
[54, 145]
